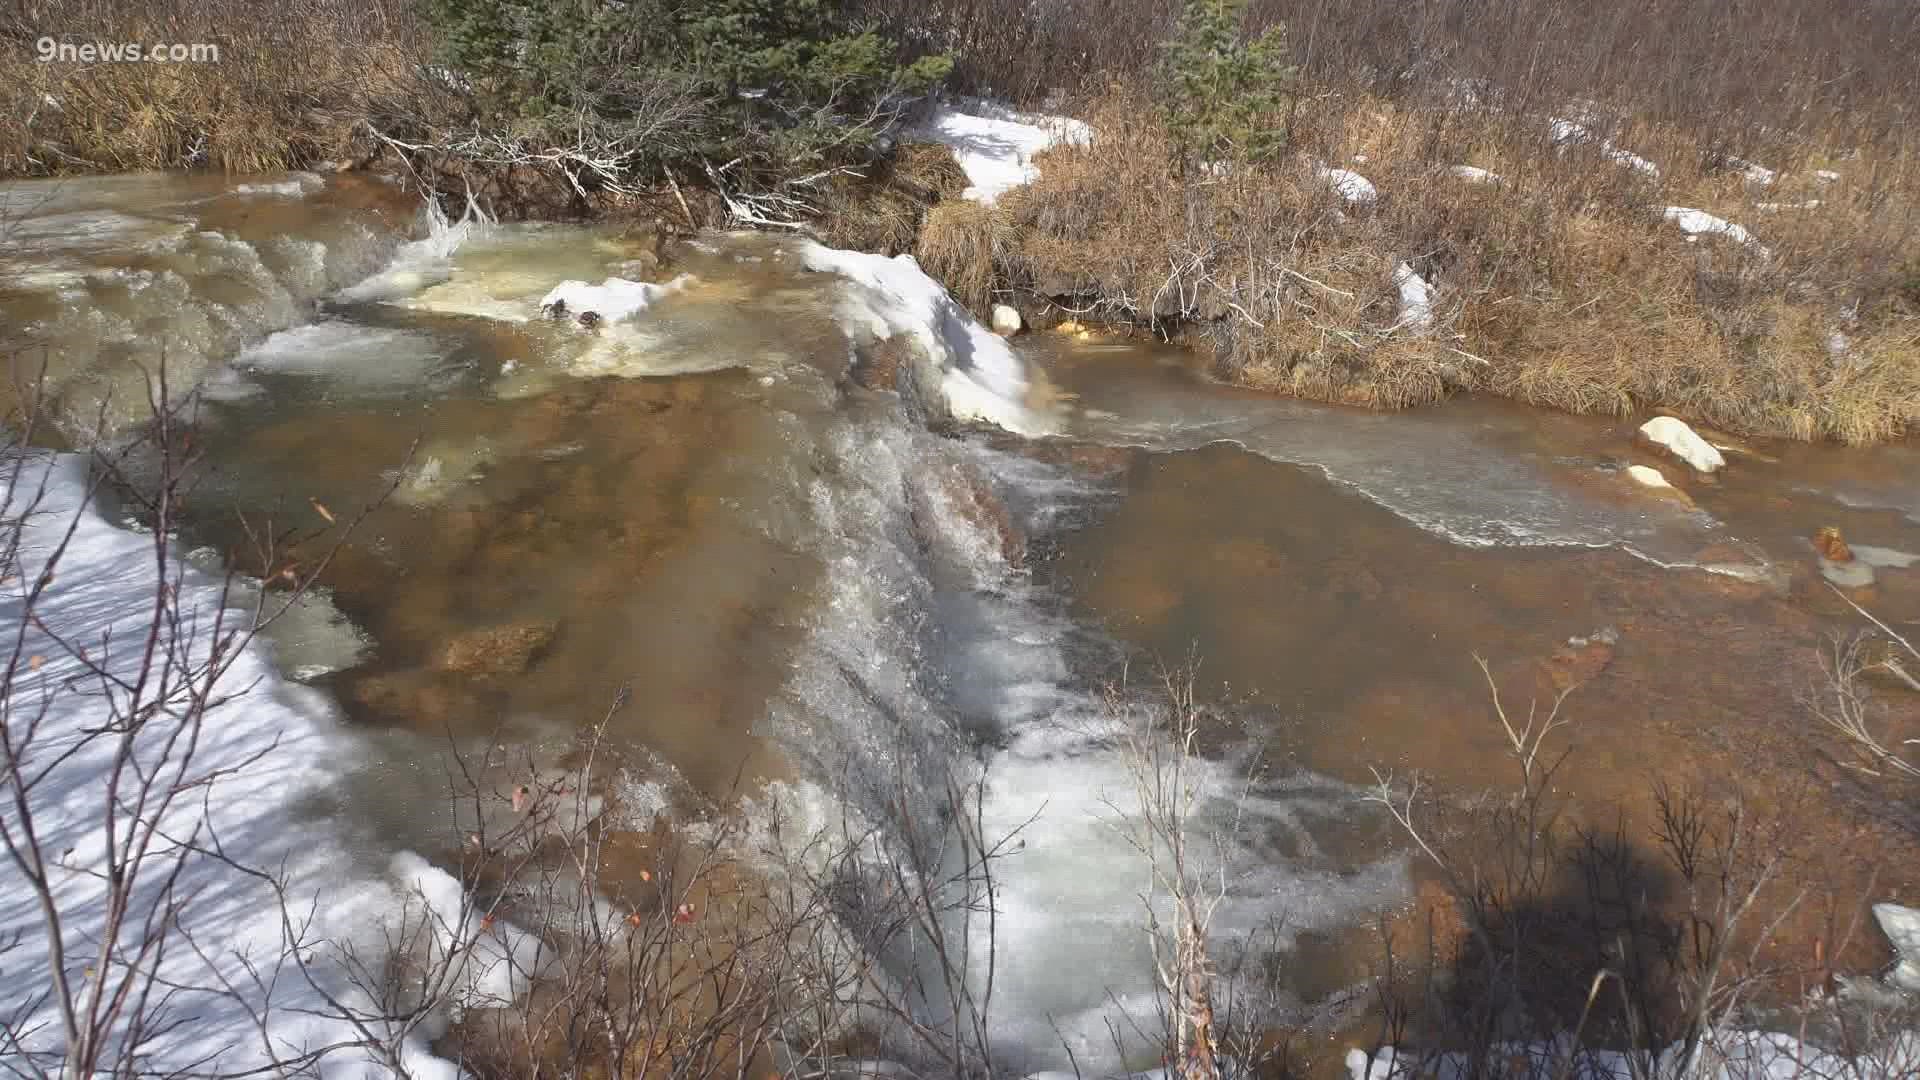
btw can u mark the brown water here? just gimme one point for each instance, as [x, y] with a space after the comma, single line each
[816, 600]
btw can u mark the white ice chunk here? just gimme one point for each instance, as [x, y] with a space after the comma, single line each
[615, 299]
[1683, 442]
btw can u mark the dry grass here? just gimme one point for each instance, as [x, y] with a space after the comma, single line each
[885, 209]
[1560, 286]
[291, 84]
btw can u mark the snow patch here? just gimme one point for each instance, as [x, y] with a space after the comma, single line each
[981, 376]
[267, 749]
[1683, 442]
[1473, 174]
[1566, 133]
[1357, 190]
[1416, 299]
[1700, 223]
[994, 145]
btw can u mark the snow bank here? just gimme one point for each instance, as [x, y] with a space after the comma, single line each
[994, 145]
[1474, 175]
[1683, 442]
[266, 751]
[1357, 190]
[1567, 133]
[614, 299]
[1700, 223]
[981, 378]
[1416, 299]
[1732, 1055]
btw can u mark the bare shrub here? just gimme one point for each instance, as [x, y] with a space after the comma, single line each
[1609, 952]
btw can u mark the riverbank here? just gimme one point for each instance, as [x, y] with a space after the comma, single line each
[1604, 251]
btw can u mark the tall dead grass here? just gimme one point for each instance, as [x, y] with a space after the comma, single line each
[292, 83]
[1560, 285]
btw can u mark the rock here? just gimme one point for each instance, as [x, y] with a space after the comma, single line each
[1582, 659]
[1006, 320]
[1674, 436]
[876, 364]
[1831, 546]
[498, 651]
[1902, 927]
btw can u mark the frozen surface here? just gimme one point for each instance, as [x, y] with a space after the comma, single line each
[349, 352]
[266, 748]
[994, 145]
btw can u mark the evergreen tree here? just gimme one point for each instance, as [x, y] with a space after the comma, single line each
[1225, 95]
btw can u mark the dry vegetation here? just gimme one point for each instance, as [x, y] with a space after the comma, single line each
[1561, 285]
[294, 84]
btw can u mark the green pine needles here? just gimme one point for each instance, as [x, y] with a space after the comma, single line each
[1226, 95]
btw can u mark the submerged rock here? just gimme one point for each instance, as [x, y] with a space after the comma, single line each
[498, 651]
[1673, 435]
[1831, 546]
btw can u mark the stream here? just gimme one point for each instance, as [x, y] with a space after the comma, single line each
[822, 595]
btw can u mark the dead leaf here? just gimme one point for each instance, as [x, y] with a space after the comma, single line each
[321, 508]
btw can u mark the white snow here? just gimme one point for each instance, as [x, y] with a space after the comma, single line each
[1567, 133]
[1416, 299]
[1826, 176]
[994, 145]
[1474, 175]
[983, 378]
[1777, 207]
[615, 299]
[1700, 223]
[1683, 442]
[262, 754]
[1357, 190]
[1755, 174]
[1731, 1055]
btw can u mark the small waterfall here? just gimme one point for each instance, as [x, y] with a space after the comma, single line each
[122, 277]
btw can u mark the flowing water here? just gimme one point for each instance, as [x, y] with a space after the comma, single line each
[818, 598]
